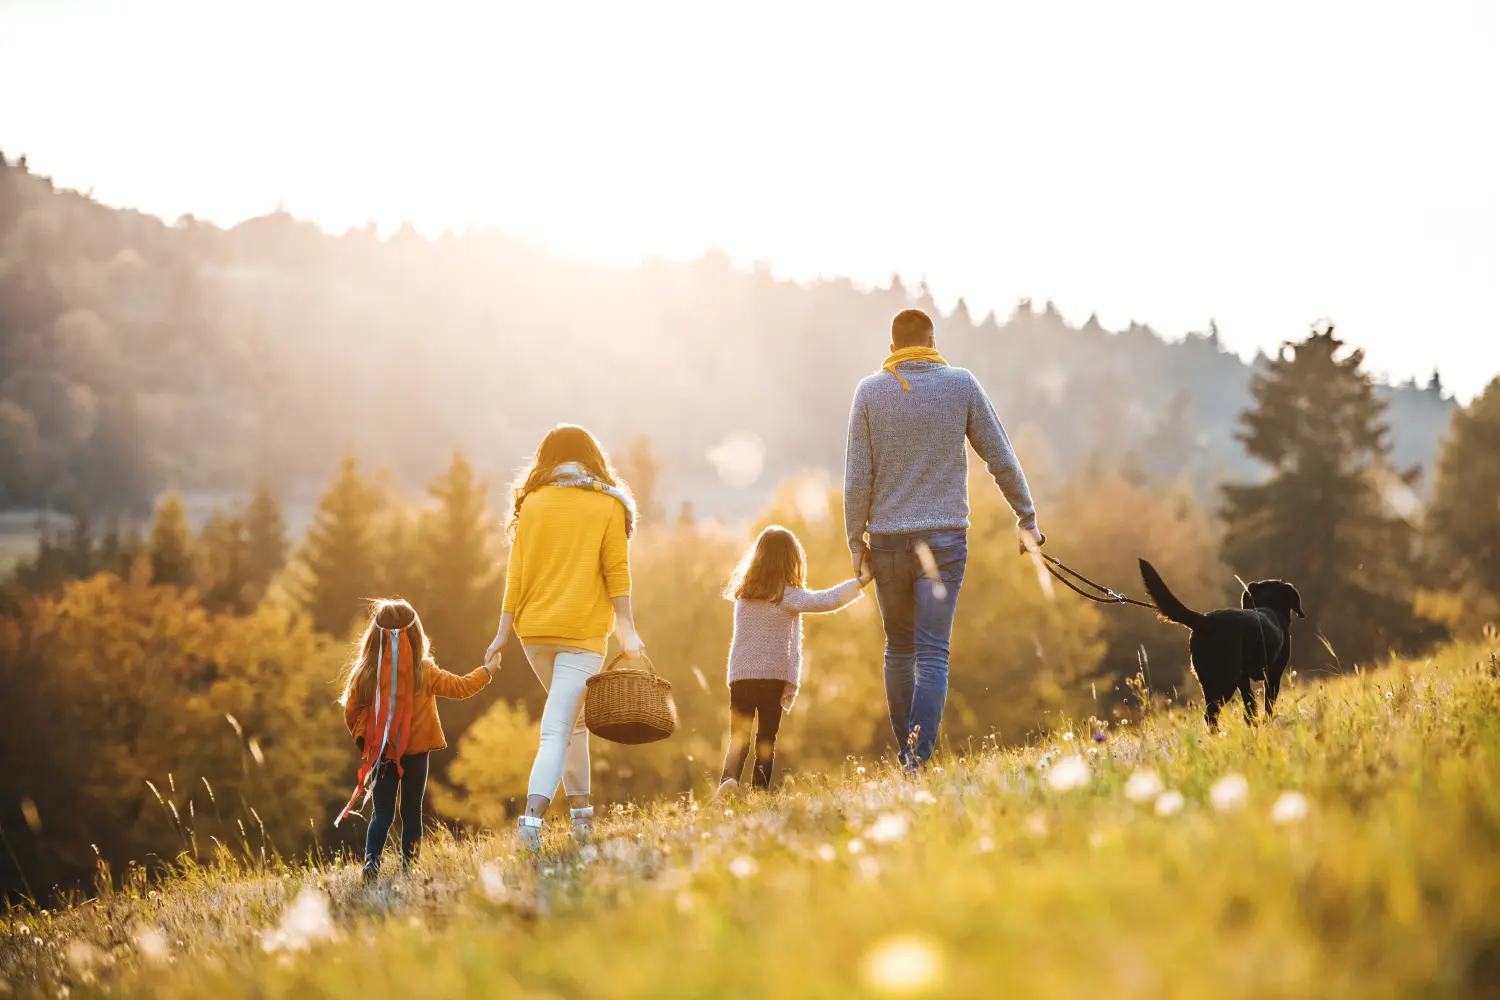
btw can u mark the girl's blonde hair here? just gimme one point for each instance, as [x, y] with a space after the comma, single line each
[775, 562]
[359, 681]
[563, 444]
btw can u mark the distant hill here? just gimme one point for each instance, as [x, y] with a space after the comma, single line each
[138, 354]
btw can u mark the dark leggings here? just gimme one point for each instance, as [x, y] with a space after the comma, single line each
[413, 784]
[748, 699]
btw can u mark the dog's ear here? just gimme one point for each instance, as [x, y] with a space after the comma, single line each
[1296, 600]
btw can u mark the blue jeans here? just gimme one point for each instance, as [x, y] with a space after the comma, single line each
[918, 618]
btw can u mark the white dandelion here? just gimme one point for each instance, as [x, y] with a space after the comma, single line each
[1290, 807]
[1229, 793]
[1143, 786]
[905, 964]
[1068, 774]
[152, 944]
[1169, 803]
[306, 922]
[492, 881]
[891, 826]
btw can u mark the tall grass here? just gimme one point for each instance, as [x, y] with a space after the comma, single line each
[1358, 857]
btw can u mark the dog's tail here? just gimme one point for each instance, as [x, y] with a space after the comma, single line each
[1171, 608]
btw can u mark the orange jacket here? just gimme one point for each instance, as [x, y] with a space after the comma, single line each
[426, 732]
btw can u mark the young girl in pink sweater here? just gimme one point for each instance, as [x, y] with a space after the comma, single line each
[765, 657]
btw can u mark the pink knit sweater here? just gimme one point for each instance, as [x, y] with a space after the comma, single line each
[767, 642]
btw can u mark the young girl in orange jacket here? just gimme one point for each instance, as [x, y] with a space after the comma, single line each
[390, 706]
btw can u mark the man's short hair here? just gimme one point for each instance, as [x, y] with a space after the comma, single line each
[910, 328]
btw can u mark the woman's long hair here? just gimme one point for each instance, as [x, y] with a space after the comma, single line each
[775, 562]
[563, 444]
[359, 681]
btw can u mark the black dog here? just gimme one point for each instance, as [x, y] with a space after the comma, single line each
[1232, 647]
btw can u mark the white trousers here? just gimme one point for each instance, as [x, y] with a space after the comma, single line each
[563, 752]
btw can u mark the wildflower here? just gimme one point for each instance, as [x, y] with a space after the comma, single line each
[891, 826]
[307, 921]
[84, 957]
[905, 964]
[152, 944]
[743, 867]
[1229, 792]
[1169, 803]
[1290, 807]
[493, 883]
[1068, 774]
[826, 852]
[1143, 786]
[1067, 737]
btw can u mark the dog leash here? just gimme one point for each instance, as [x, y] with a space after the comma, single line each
[1054, 564]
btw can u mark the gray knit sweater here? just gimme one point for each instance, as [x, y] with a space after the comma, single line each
[767, 643]
[906, 468]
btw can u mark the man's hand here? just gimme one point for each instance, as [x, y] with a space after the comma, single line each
[1030, 540]
[861, 562]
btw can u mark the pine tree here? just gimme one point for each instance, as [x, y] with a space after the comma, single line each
[223, 564]
[265, 542]
[1322, 521]
[461, 582]
[1464, 519]
[170, 545]
[338, 555]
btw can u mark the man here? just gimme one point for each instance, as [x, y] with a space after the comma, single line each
[906, 486]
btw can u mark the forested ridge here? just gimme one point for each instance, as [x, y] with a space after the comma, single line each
[140, 355]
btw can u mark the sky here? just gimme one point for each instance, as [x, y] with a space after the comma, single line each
[1262, 165]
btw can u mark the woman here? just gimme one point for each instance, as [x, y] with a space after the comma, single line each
[567, 587]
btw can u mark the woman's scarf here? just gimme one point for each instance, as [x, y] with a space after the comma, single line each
[575, 475]
[388, 720]
[911, 354]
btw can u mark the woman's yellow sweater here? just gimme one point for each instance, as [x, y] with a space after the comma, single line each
[570, 558]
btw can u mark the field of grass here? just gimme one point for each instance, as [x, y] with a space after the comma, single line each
[1351, 848]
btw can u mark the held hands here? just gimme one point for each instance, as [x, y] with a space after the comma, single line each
[862, 570]
[492, 655]
[1030, 540]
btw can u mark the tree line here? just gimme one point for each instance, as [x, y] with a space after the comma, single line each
[137, 355]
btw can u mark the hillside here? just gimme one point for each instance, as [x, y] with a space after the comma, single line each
[139, 355]
[1348, 849]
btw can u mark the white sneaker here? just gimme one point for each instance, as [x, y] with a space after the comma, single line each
[583, 825]
[727, 790]
[529, 833]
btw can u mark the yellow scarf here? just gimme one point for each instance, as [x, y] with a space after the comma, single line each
[911, 354]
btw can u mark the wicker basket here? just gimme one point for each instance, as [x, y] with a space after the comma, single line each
[628, 705]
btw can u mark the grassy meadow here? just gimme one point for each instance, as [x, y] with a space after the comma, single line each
[1350, 848]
